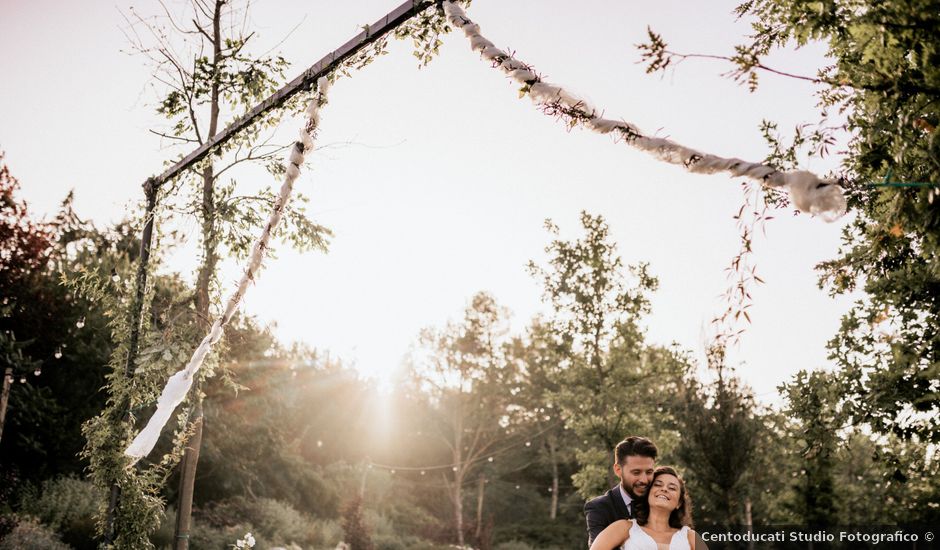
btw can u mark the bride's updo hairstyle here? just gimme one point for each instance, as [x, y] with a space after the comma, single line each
[679, 517]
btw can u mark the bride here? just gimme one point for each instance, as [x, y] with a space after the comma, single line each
[662, 521]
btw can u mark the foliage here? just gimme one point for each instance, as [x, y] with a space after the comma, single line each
[813, 401]
[272, 522]
[55, 341]
[608, 381]
[470, 385]
[29, 534]
[355, 532]
[883, 81]
[720, 429]
[24, 242]
[68, 506]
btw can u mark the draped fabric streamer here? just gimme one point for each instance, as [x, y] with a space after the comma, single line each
[179, 384]
[807, 191]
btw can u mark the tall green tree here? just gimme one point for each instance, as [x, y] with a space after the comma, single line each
[609, 382]
[469, 381]
[879, 94]
[813, 402]
[536, 412]
[719, 429]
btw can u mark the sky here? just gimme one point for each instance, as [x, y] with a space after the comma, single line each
[436, 182]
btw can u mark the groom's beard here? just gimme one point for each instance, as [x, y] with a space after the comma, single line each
[637, 491]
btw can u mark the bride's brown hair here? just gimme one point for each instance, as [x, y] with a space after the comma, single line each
[679, 517]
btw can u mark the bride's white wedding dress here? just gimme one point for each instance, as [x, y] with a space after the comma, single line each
[640, 540]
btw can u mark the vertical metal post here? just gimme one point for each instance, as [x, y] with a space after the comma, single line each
[146, 239]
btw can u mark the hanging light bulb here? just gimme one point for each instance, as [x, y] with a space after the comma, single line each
[490, 459]
[22, 379]
[454, 468]
[114, 276]
[528, 443]
[58, 353]
[37, 372]
[80, 323]
[422, 472]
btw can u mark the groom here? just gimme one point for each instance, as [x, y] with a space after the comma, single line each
[634, 461]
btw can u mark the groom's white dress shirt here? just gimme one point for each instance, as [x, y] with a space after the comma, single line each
[626, 498]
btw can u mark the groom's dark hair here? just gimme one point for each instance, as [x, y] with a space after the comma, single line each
[635, 446]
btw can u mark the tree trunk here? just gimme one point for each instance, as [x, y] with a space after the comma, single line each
[748, 521]
[553, 456]
[611, 476]
[206, 273]
[481, 483]
[187, 480]
[458, 508]
[5, 396]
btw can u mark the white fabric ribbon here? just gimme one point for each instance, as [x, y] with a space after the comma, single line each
[807, 191]
[179, 384]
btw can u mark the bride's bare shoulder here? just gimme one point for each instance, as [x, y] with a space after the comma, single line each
[613, 535]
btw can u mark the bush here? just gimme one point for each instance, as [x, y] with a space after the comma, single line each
[544, 536]
[67, 505]
[356, 533]
[327, 533]
[209, 537]
[397, 542]
[272, 522]
[513, 545]
[29, 534]
[164, 535]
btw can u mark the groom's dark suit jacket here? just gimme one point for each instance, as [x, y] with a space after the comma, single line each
[604, 510]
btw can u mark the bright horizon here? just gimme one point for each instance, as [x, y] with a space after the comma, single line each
[436, 182]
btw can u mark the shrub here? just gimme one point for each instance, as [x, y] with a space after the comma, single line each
[29, 534]
[398, 542]
[356, 534]
[164, 536]
[513, 545]
[209, 537]
[271, 521]
[67, 505]
[327, 533]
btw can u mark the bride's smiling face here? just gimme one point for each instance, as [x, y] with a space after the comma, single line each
[665, 492]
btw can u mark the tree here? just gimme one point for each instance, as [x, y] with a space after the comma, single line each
[536, 412]
[609, 383]
[469, 379]
[53, 343]
[24, 242]
[719, 437]
[813, 401]
[884, 82]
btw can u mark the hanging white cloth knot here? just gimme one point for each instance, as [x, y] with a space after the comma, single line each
[814, 196]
